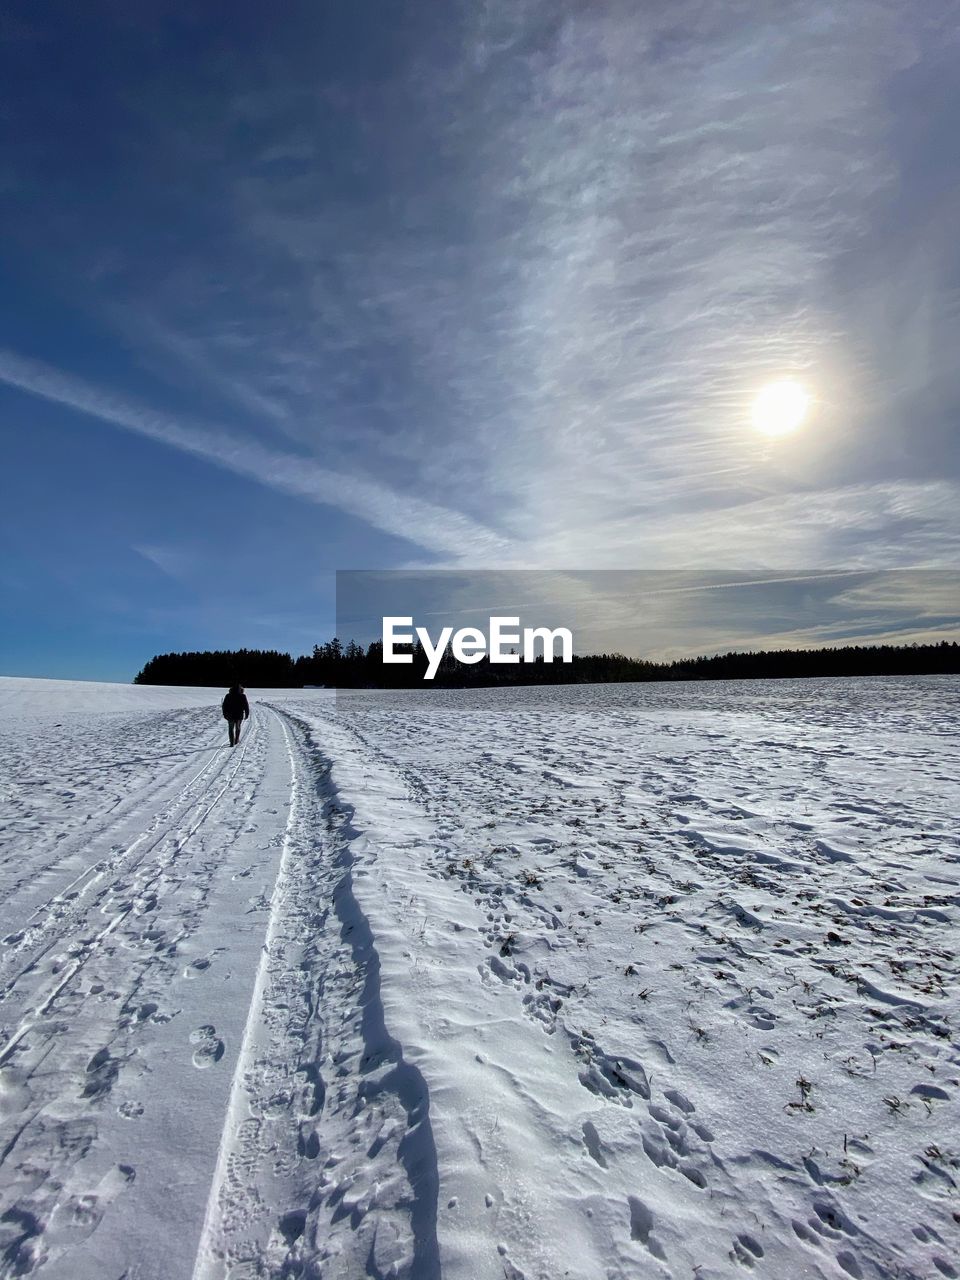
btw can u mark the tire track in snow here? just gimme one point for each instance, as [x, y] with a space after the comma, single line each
[35, 941]
[122, 810]
[58, 929]
[87, 1045]
[90, 946]
[327, 1157]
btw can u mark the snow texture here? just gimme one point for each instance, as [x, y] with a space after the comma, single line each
[615, 981]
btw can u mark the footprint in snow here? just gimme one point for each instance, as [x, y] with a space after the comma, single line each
[618, 1079]
[201, 964]
[510, 1271]
[641, 1226]
[746, 1250]
[78, 1214]
[679, 1100]
[209, 1049]
[100, 1076]
[591, 1140]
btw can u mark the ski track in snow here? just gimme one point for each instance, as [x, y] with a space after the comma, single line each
[605, 982]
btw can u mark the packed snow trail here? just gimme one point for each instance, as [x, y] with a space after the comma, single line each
[124, 985]
[604, 982]
[195, 1073]
[327, 1122]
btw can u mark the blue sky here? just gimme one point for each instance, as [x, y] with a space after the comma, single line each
[347, 285]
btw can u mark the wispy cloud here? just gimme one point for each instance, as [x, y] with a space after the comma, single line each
[175, 562]
[422, 523]
[590, 233]
[509, 288]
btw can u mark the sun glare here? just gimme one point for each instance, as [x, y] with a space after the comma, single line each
[780, 407]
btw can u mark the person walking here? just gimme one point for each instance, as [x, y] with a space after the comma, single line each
[236, 709]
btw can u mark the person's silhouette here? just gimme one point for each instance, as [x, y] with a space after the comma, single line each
[235, 709]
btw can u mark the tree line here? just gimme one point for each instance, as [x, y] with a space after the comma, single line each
[350, 666]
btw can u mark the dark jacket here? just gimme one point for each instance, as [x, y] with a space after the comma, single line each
[235, 705]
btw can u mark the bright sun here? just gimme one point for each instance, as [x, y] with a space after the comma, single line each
[780, 407]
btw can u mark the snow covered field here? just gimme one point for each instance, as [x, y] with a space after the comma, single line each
[608, 982]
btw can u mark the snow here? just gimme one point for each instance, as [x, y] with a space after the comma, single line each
[641, 980]
[32, 698]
